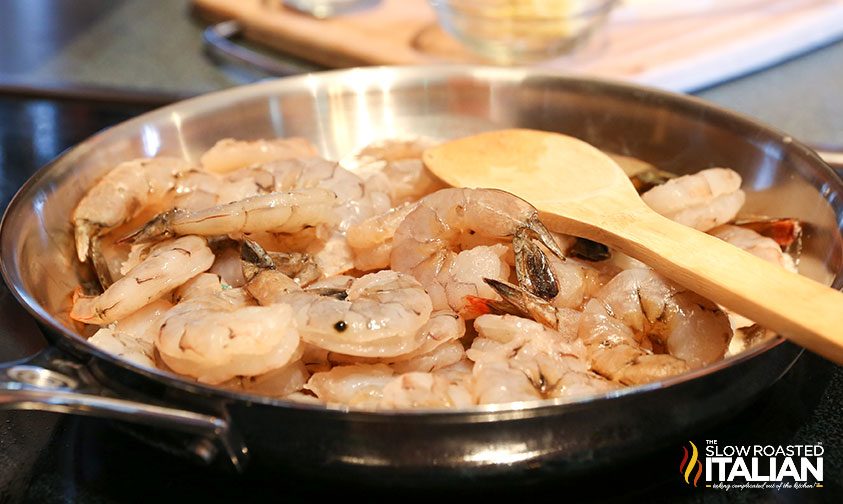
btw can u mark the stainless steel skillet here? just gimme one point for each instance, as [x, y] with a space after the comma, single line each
[340, 111]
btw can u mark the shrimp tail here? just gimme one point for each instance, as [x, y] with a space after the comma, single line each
[301, 267]
[81, 303]
[100, 264]
[524, 303]
[532, 268]
[254, 259]
[537, 230]
[784, 231]
[340, 294]
[78, 293]
[477, 306]
[84, 231]
[159, 227]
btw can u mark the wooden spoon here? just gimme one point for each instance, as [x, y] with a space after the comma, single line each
[584, 193]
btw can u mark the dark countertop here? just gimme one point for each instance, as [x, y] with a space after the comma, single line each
[129, 47]
[150, 51]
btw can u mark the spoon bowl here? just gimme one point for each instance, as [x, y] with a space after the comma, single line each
[583, 192]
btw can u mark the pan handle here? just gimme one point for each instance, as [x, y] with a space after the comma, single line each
[219, 41]
[54, 381]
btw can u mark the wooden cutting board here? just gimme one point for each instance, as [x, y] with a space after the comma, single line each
[681, 46]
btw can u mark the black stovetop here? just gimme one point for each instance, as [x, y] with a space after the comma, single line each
[46, 457]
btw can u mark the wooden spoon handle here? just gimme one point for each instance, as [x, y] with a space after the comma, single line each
[798, 308]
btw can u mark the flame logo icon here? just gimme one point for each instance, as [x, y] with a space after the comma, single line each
[686, 467]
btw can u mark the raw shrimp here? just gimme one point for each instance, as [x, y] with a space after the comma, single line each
[137, 253]
[615, 352]
[268, 285]
[144, 323]
[409, 180]
[214, 339]
[429, 239]
[555, 362]
[440, 347]
[317, 172]
[440, 357]
[463, 276]
[759, 246]
[563, 283]
[277, 212]
[227, 264]
[270, 274]
[396, 166]
[229, 154]
[425, 390]
[121, 194]
[495, 382]
[393, 149]
[754, 243]
[297, 278]
[356, 201]
[167, 266]
[371, 239]
[687, 325]
[358, 385]
[316, 359]
[443, 327]
[333, 256]
[203, 284]
[198, 190]
[577, 281]
[106, 256]
[132, 337]
[279, 382]
[786, 231]
[460, 370]
[678, 324]
[125, 346]
[703, 200]
[378, 315]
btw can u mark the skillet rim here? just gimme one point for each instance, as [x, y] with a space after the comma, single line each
[401, 76]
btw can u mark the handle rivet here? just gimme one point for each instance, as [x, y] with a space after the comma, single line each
[40, 377]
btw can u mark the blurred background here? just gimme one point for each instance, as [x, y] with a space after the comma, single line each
[753, 56]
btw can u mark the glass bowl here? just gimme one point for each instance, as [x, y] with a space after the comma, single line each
[521, 31]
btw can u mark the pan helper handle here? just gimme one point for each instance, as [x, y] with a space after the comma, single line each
[52, 380]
